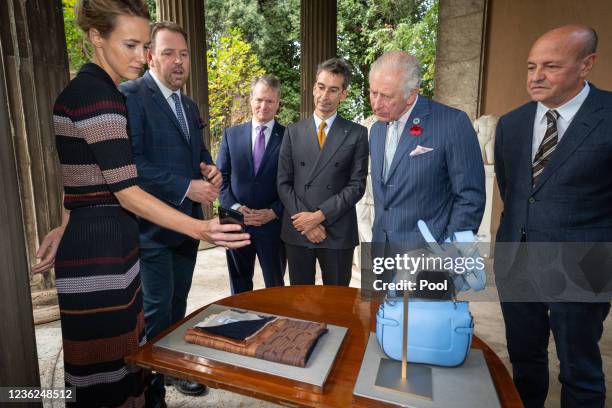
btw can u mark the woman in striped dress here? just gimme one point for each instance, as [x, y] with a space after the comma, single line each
[96, 249]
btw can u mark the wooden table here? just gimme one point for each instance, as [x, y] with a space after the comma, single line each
[331, 304]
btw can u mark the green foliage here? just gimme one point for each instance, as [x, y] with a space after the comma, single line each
[368, 28]
[231, 65]
[418, 38]
[152, 9]
[272, 27]
[79, 50]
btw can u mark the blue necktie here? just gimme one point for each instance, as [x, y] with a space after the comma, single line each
[391, 143]
[180, 116]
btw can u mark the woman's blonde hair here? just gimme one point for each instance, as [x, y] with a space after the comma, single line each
[102, 14]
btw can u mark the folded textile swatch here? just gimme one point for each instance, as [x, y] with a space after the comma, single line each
[281, 340]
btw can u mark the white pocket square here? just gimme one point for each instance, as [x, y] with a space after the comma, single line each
[420, 150]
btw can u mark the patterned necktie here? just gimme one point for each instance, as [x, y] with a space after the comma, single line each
[548, 145]
[321, 134]
[179, 115]
[259, 148]
[390, 146]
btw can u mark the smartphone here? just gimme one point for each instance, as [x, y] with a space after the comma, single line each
[229, 216]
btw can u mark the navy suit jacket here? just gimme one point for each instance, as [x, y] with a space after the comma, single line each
[444, 187]
[240, 183]
[572, 201]
[165, 160]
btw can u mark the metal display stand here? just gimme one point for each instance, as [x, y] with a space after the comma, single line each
[402, 376]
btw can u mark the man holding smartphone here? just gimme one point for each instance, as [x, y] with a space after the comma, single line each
[166, 133]
[248, 161]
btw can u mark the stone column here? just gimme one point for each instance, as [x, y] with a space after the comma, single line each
[459, 59]
[318, 43]
[189, 14]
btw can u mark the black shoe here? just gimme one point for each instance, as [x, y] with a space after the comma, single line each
[156, 393]
[190, 388]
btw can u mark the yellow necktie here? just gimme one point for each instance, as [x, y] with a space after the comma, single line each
[321, 134]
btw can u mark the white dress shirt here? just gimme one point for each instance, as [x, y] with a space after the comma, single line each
[328, 122]
[404, 118]
[167, 92]
[567, 111]
[255, 132]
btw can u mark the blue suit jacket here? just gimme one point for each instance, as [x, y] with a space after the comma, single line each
[240, 183]
[165, 160]
[444, 187]
[572, 201]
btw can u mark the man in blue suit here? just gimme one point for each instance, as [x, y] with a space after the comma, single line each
[426, 161]
[166, 132]
[248, 161]
[552, 162]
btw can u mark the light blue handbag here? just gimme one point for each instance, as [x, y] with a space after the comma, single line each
[439, 332]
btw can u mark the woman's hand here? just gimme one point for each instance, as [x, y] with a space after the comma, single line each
[47, 250]
[225, 235]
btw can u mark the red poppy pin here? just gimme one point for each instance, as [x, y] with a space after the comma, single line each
[416, 129]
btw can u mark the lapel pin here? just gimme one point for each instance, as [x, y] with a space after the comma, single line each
[416, 130]
[416, 121]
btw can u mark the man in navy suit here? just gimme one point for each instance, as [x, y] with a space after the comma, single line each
[174, 165]
[248, 161]
[426, 161]
[552, 162]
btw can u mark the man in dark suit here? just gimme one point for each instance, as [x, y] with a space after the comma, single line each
[248, 162]
[552, 162]
[426, 161]
[166, 132]
[322, 170]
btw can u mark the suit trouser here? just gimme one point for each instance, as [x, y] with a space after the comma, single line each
[166, 275]
[577, 329]
[241, 264]
[336, 265]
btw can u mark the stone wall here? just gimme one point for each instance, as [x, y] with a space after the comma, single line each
[458, 55]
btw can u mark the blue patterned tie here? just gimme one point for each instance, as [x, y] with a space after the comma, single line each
[179, 115]
[391, 143]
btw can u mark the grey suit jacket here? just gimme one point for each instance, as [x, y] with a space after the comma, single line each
[331, 179]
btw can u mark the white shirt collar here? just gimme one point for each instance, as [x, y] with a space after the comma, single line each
[328, 122]
[404, 118]
[568, 110]
[163, 88]
[269, 125]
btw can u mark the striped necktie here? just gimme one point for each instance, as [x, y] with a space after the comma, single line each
[548, 145]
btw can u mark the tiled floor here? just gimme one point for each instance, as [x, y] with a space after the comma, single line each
[211, 283]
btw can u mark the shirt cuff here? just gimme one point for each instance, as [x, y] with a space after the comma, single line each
[236, 206]
[185, 195]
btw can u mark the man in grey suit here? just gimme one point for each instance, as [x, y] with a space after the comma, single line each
[426, 161]
[322, 169]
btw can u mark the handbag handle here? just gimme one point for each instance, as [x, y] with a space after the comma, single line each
[464, 330]
[386, 321]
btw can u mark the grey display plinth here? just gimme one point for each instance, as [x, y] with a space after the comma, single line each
[417, 379]
[467, 386]
[315, 373]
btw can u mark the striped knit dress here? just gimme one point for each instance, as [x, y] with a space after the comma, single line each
[96, 266]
